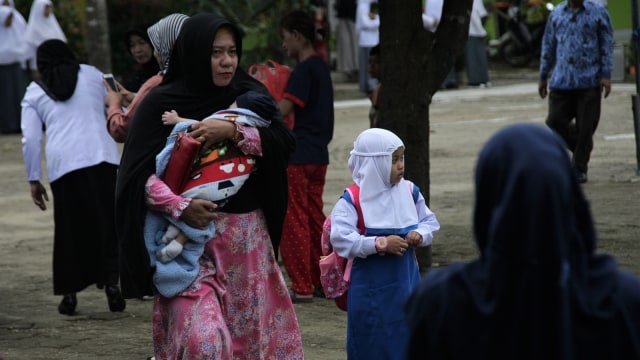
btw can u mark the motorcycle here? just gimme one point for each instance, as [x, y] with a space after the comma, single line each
[521, 41]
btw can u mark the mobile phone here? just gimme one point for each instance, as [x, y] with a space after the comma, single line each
[112, 82]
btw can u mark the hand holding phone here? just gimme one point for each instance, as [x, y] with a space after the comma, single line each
[111, 81]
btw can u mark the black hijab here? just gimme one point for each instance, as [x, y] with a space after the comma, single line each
[58, 69]
[188, 88]
[142, 72]
[538, 280]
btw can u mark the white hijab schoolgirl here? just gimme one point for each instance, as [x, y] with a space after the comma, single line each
[41, 28]
[384, 206]
[12, 44]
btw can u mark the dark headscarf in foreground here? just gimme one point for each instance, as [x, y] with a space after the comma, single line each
[538, 291]
[188, 88]
[58, 69]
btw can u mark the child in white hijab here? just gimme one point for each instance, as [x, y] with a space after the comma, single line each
[42, 26]
[12, 83]
[385, 270]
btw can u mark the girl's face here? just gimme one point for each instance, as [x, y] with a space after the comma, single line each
[224, 58]
[291, 43]
[141, 50]
[397, 166]
[47, 10]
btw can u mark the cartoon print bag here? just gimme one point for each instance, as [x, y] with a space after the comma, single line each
[218, 173]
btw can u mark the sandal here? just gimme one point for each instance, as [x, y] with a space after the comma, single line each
[296, 299]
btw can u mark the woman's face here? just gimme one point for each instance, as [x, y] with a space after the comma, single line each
[47, 10]
[140, 49]
[224, 58]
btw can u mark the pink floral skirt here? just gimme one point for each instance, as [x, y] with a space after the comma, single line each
[237, 308]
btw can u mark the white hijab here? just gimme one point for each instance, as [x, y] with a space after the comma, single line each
[383, 206]
[12, 44]
[41, 28]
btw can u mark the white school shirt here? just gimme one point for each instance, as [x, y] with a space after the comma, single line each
[367, 29]
[478, 11]
[349, 243]
[12, 43]
[76, 131]
[432, 12]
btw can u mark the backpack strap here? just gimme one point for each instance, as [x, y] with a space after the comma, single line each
[415, 191]
[353, 191]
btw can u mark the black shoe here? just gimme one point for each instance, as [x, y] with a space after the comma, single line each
[114, 298]
[318, 293]
[582, 177]
[68, 305]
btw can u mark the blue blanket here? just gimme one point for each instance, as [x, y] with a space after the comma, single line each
[175, 276]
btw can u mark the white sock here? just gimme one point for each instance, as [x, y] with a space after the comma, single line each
[171, 233]
[169, 252]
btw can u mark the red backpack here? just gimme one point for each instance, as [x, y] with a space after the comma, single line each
[335, 271]
[275, 77]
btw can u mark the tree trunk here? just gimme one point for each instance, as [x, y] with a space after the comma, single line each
[97, 35]
[414, 63]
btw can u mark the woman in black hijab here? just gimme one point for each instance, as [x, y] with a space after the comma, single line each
[82, 161]
[239, 294]
[538, 291]
[140, 48]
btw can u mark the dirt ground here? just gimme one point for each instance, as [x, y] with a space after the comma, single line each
[461, 121]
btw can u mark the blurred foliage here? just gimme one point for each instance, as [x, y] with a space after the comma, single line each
[258, 18]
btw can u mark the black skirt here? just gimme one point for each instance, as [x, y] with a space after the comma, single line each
[85, 250]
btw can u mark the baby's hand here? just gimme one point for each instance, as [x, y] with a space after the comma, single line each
[170, 117]
[414, 238]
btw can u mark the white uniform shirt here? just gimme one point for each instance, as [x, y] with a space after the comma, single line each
[349, 243]
[432, 14]
[367, 28]
[76, 131]
[476, 29]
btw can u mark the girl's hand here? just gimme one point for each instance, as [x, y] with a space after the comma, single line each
[396, 245]
[414, 238]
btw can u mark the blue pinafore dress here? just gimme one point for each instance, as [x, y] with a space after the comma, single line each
[376, 326]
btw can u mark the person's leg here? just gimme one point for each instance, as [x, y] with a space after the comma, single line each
[363, 74]
[587, 118]
[476, 61]
[562, 110]
[316, 175]
[295, 246]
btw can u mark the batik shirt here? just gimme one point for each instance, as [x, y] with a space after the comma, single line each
[579, 44]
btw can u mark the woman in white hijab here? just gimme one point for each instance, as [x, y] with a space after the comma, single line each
[12, 84]
[42, 26]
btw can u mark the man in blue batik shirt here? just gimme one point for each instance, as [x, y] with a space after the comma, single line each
[578, 46]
